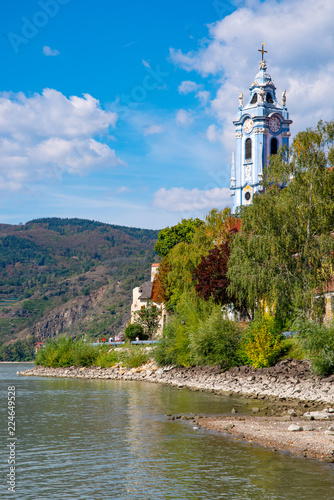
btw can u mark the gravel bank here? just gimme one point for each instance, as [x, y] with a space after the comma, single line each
[310, 439]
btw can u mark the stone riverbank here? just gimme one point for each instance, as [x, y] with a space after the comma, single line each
[282, 396]
[287, 380]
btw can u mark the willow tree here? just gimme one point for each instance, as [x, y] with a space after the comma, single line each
[284, 251]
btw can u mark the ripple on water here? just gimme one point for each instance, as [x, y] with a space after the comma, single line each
[107, 440]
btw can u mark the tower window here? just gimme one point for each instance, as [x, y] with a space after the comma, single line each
[254, 99]
[248, 154]
[273, 146]
[269, 98]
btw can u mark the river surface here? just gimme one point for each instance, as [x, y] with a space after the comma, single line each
[104, 439]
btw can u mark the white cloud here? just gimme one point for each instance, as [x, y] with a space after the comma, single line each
[188, 86]
[47, 51]
[46, 135]
[203, 96]
[296, 61]
[146, 64]
[181, 199]
[153, 129]
[184, 118]
[213, 134]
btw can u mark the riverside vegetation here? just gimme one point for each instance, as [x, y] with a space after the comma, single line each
[67, 352]
[265, 267]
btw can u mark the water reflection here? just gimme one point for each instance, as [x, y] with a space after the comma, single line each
[99, 439]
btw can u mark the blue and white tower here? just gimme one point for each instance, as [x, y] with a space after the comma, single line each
[262, 127]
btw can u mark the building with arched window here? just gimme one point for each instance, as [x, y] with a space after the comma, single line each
[261, 128]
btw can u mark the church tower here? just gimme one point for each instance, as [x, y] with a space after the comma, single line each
[262, 127]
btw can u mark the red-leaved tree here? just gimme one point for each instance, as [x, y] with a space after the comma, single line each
[210, 274]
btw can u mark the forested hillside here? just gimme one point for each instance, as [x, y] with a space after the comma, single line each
[69, 275]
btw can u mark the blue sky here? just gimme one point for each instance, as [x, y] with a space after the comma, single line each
[122, 111]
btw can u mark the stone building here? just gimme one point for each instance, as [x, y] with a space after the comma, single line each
[144, 293]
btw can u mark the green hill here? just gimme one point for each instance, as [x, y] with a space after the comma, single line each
[70, 276]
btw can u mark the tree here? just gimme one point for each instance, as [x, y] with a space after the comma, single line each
[133, 331]
[175, 275]
[210, 275]
[284, 251]
[149, 318]
[219, 224]
[171, 236]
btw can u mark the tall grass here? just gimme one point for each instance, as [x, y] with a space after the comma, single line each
[318, 342]
[134, 357]
[66, 352]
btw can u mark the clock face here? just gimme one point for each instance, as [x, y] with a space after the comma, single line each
[274, 124]
[248, 126]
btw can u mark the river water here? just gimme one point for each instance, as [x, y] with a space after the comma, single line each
[103, 439]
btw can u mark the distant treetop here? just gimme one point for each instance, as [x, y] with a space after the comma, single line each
[171, 236]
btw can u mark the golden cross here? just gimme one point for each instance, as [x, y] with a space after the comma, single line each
[262, 50]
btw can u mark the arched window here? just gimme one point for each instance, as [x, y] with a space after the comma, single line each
[273, 146]
[269, 98]
[248, 153]
[254, 99]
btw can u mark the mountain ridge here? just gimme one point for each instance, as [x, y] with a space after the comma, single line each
[49, 265]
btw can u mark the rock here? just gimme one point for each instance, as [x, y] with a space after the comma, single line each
[317, 415]
[195, 428]
[234, 410]
[329, 433]
[292, 413]
[294, 428]
[331, 428]
[228, 427]
[255, 409]
[309, 428]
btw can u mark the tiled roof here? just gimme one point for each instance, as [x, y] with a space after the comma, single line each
[146, 290]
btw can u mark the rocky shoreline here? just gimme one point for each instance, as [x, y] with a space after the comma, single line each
[287, 380]
[287, 395]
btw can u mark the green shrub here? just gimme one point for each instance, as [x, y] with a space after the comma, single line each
[174, 345]
[56, 353]
[164, 353]
[198, 334]
[318, 342]
[85, 354]
[216, 342]
[262, 343]
[106, 357]
[135, 330]
[293, 349]
[134, 356]
[174, 348]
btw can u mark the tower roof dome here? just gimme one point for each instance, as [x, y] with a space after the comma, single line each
[262, 78]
